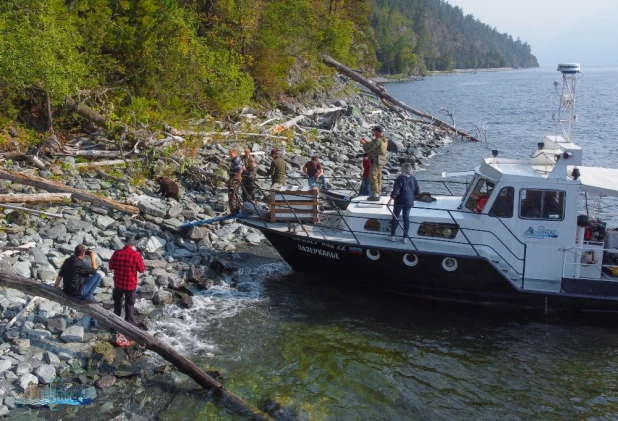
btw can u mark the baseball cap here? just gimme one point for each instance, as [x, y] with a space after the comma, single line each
[378, 129]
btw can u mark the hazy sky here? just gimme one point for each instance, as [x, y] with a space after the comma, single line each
[558, 30]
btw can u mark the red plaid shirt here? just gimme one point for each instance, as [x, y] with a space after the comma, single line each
[126, 263]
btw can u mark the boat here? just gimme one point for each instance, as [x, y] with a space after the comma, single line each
[522, 233]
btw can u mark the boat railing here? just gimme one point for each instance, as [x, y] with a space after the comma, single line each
[450, 187]
[465, 231]
[590, 262]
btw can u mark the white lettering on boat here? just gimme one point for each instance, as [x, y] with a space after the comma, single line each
[321, 252]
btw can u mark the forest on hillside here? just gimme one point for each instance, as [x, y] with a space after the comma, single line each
[419, 35]
[152, 60]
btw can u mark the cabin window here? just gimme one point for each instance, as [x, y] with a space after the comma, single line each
[372, 224]
[430, 229]
[479, 195]
[541, 204]
[503, 205]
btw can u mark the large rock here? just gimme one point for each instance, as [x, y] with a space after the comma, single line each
[28, 379]
[57, 324]
[73, 334]
[176, 282]
[75, 225]
[163, 297]
[5, 365]
[54, 232]
[197, 233]
[22, 269]
[150, 209]
[186, 301]
[104, 253]
[39, 256]
[46, 373]
[195, 273]
[152, 244]
[174, 211]
[104, 221]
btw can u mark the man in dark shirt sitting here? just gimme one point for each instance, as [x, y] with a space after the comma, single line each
[79, 279]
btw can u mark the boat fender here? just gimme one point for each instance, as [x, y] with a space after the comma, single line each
[373, 254]
[410, 262]
[449, 264]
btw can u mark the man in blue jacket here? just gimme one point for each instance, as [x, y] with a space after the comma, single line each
[404, 191]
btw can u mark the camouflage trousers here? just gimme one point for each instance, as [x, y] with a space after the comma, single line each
[375, 179]
[232, 194]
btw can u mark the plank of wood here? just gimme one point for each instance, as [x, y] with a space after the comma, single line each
[31, 211]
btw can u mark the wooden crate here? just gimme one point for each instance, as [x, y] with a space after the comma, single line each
[293, 203]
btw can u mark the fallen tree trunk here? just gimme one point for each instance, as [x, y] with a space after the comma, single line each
[94, 154]
[35, 198]
[86, 112]
[111, 321]
[18, 156]
[281, 127]
[108, 163]
[44, 184]
[381, 93]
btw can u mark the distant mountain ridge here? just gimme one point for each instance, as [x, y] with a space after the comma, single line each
[419, 35]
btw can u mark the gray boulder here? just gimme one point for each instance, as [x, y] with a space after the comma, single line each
[46, 373]
[22, 269]
[73, 334]
[28, 379]
[163, 297]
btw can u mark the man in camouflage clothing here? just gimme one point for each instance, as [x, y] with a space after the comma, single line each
[376, 149]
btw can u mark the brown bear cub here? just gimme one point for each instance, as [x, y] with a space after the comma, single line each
[168, 187]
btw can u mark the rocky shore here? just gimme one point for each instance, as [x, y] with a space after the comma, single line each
[46, 341]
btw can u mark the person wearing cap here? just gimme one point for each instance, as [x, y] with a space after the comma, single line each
[376, 150]
[126, 263]
[277, 169]
[315, 172]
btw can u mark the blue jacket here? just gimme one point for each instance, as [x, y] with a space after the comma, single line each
[405, 190]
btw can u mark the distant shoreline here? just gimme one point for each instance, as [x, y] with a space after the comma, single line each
[393, 79]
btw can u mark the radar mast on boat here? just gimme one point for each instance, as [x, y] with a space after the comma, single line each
[566, 111]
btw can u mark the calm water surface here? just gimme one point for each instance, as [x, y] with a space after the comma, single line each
[330, 352]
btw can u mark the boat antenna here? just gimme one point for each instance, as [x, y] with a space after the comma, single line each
[566, 111]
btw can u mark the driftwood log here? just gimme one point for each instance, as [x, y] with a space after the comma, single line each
[31, 211]
[88, 113]
[18, 156]
[94, 154]
[44, 184]
[381, 93]
[35, 198]
[108, 163]
[111, 321]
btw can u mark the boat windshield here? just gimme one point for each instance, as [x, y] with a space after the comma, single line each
[480, 195]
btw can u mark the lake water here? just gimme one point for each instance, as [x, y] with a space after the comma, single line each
[328, 352]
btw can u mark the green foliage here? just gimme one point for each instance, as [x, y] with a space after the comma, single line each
[39, 48]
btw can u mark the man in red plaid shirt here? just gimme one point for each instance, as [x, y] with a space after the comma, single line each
[126, 263]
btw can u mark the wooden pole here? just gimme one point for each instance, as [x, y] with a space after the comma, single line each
[44, 184]
[381, 93]
[31, 211]
[111, 321]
